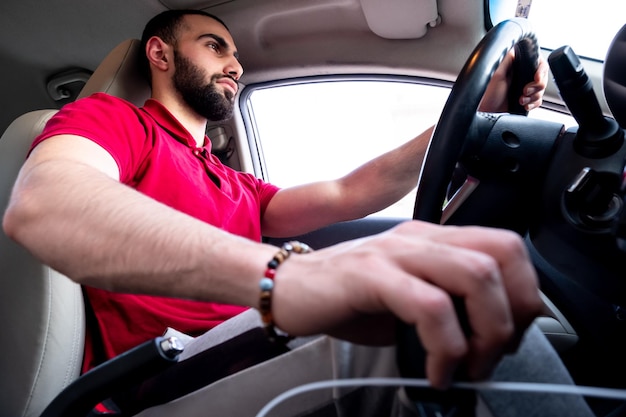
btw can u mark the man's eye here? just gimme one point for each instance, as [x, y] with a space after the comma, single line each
[214, 46]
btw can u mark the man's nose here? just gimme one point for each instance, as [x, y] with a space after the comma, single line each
[234, 69]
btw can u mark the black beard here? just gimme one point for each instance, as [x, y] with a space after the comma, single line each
[204, 99]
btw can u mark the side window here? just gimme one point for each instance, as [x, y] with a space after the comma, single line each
[323, 130]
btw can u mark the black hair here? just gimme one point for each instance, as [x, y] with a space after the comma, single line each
[165, 25]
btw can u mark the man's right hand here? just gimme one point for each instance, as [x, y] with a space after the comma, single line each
[355, 290]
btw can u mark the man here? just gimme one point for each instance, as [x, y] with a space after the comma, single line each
[192, 231]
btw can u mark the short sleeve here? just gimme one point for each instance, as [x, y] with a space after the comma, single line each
[115, 124]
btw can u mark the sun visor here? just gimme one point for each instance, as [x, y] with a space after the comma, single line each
[400, 19]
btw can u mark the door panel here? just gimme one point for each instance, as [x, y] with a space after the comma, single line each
[343, 231]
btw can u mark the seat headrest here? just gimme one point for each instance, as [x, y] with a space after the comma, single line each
[119, 75]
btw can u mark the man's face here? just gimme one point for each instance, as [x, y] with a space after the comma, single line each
[201, 95]
[206, 67]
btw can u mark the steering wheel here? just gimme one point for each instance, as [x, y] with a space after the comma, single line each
[448, 140]
[456, 118]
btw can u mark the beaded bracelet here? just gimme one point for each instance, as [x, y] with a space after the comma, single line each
[266, 286]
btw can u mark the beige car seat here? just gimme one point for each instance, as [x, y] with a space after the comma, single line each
[42, 316]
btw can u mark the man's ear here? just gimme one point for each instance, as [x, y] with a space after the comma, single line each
[157, 53]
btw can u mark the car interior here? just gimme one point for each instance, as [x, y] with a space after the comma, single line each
[561, 185]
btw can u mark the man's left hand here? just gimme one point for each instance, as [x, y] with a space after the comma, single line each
[495, 97]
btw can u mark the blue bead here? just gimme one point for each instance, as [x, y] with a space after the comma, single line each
[266, 284]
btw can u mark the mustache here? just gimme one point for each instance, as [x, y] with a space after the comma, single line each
[217, 77]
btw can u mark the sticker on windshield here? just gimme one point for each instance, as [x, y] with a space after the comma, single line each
[523, 8]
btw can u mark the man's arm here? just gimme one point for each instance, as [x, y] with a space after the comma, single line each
[369, 188]
[69, 210]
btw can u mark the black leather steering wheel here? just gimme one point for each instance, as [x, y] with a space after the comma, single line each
[458, 113]
[448, 140]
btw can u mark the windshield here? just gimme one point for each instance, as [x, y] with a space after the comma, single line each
[588, 27]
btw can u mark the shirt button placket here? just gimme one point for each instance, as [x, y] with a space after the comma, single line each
[203, 155]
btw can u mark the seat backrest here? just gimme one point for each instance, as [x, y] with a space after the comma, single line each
[42, 315]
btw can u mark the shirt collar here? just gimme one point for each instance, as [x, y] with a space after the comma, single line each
[167, 121]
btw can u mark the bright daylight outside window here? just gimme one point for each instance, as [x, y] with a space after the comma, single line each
[323, 130]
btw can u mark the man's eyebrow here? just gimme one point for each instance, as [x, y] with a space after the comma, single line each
[220, 40]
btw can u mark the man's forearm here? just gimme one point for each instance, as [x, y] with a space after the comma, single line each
[386, 179]
[102, 233]
[369, 188]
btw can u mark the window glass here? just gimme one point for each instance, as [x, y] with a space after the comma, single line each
[323, 130]
[588, 27]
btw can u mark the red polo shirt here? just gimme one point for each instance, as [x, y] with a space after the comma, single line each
[157, 156]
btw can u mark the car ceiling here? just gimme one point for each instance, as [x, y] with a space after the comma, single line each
[276, 39]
